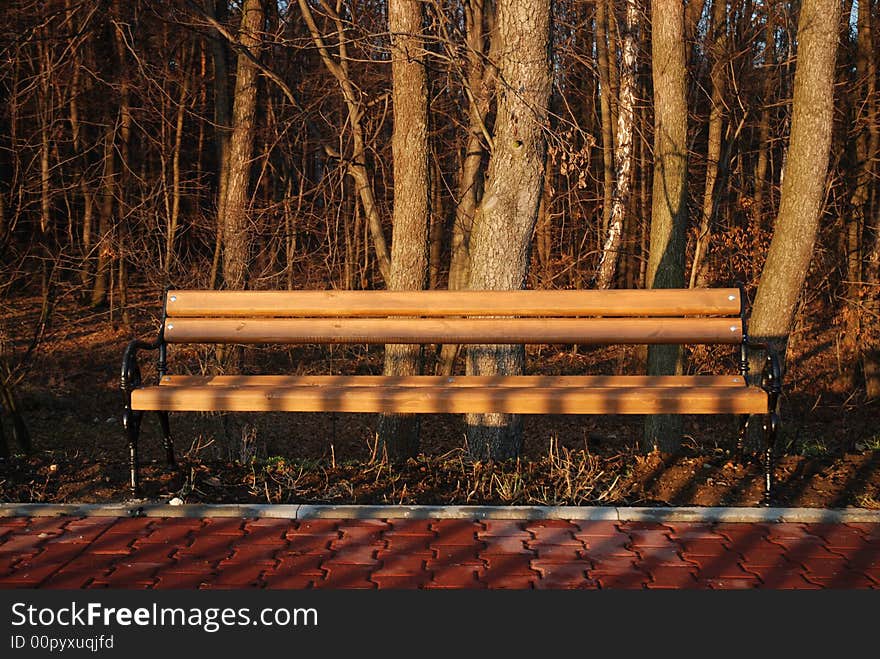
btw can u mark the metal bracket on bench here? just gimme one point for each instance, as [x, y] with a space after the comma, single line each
[744, 346]
[771, 382]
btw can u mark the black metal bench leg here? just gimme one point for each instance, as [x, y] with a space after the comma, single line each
[741, 438]
[771, 426]
[167, 439]
[131, 421]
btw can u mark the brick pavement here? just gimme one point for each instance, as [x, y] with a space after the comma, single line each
[231, 553]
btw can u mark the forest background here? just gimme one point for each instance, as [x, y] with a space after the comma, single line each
[357, 144]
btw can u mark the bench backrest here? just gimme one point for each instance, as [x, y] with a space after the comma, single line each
[467, 317]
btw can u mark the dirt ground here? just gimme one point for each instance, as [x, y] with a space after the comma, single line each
[829, 446]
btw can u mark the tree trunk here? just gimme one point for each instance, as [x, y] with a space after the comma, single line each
[763, 145]
[669, 205]
[121, 230]
[236, 236]
[173, 220]
[605, 113]
[870, 341]
[105, 220]
[399, 433]
[480, 84]
[718, 30]
[222, 122]
[864, 101]
[438, 227]
[505, 221]
[803, 188]
[623, 151]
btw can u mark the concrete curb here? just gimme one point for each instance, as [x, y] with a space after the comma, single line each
[581, 513]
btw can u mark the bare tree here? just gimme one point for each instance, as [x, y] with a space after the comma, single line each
[234, 221]
[717, 77]
[481, 43]
[409, 243]
[803, 187]
[505, 220]
[624, 156]
[669, 210]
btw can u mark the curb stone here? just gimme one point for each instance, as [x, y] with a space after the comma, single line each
[583, 513]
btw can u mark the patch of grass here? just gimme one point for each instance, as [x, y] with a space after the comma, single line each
[813, 448]
[871, 444]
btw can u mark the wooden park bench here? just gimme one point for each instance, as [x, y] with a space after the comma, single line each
[671, 316]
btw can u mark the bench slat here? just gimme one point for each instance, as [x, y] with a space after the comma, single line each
[454, 330]
[585, 381]
[455, 400]
[436, 303]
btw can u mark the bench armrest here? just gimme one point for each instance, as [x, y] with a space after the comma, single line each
[130, 374]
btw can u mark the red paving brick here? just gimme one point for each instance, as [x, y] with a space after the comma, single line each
[649, 538]
[556, 536]
[789, 582]
[566, 576]
[68, 580]
[174, 581]
[289, 580]
[504, 527]
[838, 536]
[23, 543]
[456, 532]
[59, 552]
[673, 578]
[231, 526]
[308, 544]
[274, 534]
[456, 555]
[596, 528]
[409, 544]
[651, 557]
[455, 576]
[134, 526]
[613, 545]
[238, 574]
[509, 564]
[846, 580]
[309, 564]
[400, 565]
[703, 546]
[410, 527]
[347, 576]
[871, 531]
[354, 555]
[408, 582]
[732, 583]
[315, 527]
[557, 553]
[257, 554]
[725, 566]
[500, 581]
[620, 580]
[507, 545]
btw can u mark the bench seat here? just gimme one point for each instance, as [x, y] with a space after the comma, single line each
[455, 395]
